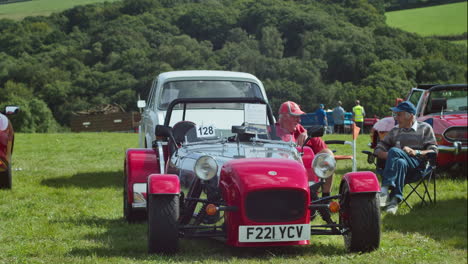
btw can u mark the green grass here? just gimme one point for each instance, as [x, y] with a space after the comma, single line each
[66, 207]
[443, 20]
[21, 10]
[460, 42]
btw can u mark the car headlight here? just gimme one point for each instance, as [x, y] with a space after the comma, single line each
[324, 165]
[206, 167]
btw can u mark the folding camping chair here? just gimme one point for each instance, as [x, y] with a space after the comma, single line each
[427, 171]
[427, 175]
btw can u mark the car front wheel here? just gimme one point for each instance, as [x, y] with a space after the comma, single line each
[361, 217]
[163, 230]
[5, 178]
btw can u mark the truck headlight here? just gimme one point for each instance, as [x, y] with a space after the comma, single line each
[206, 167]
[324, 165]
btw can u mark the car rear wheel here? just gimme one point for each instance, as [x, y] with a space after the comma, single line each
[163, 230]
[5, 178]
[361, 216]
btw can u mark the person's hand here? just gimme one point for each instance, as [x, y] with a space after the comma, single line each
[301, 138]
[409, 151]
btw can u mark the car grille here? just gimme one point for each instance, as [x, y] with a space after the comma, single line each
[456, 134]
[275, 205]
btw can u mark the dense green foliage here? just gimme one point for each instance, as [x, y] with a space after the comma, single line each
[308, 51]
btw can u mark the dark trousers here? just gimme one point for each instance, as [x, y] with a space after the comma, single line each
[361, 126]
[339, 129]
[395, 174]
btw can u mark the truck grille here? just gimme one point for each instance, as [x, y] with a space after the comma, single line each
[275, 205]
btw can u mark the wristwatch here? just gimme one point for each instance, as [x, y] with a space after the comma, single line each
[418, 153]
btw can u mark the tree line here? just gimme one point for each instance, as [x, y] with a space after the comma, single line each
[309, 51]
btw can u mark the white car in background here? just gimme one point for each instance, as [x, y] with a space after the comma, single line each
[195, 84]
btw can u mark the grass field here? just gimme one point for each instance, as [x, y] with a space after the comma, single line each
[66, 207]
[41, 7]
[443, 20]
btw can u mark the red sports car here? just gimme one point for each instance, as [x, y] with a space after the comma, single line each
[445, 108]
[6, 146]
[232, 179]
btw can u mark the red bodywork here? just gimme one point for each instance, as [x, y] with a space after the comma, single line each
[139, 164]
[6, 142]
[440, 124]
[163, 184]
[239, 177]
[361, 182]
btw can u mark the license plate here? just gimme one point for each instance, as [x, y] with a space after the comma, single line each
[274, 233]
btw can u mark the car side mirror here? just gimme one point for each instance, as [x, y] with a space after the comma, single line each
[163, 131]
[141, 103]
[238, 129]
[315, 131]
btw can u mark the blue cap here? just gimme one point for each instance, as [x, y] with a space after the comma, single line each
[405, 106]
[322, 106]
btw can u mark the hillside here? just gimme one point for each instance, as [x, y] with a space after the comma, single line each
[308, 51]
[21, 10]
[442, 20]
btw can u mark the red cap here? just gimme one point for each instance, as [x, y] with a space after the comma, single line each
[291, 108]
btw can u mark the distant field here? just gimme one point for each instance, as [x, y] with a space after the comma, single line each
[41, 7]
[443, 20]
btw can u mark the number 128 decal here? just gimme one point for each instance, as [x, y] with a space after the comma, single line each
[205, 131]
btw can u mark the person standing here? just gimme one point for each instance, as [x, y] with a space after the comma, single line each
[321, 116]
[358, 115]
[338, 118]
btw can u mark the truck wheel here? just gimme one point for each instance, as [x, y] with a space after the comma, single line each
[131, 215]
[163, 230]
[5, 178]
[361, 216]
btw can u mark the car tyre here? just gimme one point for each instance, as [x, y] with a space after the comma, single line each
[361, 215]
[5, 178]
[163, 230]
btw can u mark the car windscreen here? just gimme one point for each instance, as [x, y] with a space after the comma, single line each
[203, 89]
[215, 120]
[447, 101]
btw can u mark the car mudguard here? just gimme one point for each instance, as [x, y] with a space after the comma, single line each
[361, 181]
[139, 164]
[163, 184]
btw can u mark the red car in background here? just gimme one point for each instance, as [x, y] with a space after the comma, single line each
[445, 108]
[6, 146]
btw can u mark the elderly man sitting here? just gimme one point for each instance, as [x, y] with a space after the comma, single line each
[402, 148]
